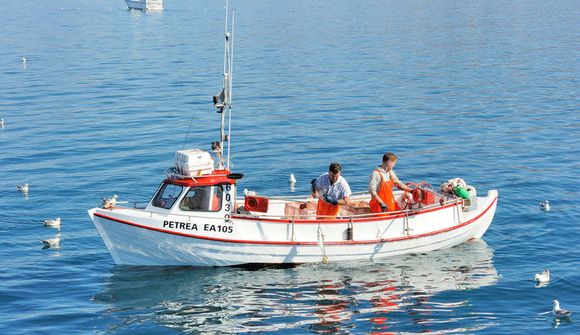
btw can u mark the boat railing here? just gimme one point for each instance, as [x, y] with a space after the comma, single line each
[345, 218]
[294, 197]
[140, 205]
[171, 173]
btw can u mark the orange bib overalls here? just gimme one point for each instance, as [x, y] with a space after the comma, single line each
[386, 194]
[326, 209]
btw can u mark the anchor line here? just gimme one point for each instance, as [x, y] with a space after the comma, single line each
[321, 244]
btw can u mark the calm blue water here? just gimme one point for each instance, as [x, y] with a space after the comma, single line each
[484, 90]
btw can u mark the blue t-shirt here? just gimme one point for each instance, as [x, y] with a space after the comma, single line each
[337, 191]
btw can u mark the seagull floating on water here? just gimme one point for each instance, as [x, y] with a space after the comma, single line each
[22, 187]
[559, 312]
[23, 60]
[53, 243]
[542, 277]
[2, 123]
[545, 205]
[52, 223]
[292, 179]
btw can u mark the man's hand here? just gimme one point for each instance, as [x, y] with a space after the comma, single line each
[384, 208]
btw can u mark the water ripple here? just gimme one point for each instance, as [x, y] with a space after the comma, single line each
[487, 91]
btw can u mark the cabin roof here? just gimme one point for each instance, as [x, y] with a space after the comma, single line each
[216, 177]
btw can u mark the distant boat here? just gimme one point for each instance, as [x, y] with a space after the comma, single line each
[145, 4]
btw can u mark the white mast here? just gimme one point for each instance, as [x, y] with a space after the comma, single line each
[230, 90]
[223, 101]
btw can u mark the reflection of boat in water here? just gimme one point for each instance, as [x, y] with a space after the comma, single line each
[196, 218]
[323, 298]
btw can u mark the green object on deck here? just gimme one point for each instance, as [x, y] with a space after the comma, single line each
[461, 192]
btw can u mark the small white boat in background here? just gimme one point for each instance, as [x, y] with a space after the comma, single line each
[197, 218]
[145, 4]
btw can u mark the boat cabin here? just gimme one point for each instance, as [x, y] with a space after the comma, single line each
[211, 192]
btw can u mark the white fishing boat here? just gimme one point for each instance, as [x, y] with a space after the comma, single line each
[197, 217]
[145, 4]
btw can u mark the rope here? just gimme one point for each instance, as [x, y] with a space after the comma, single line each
[321, 244]
[406, 224]
[421, 183]
[188, 129]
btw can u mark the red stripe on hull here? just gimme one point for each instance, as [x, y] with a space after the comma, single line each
[396, 239]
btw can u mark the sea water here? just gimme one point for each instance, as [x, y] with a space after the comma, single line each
[483, 90]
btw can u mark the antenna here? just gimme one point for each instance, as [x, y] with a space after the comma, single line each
[230, 90]
[226, 35]
[223, 101]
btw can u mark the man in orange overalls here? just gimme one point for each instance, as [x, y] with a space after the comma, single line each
[381, 183]
[332, 191]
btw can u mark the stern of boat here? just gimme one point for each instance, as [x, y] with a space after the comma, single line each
[485, 213]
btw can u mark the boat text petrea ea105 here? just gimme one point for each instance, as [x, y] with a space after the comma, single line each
[197, 218]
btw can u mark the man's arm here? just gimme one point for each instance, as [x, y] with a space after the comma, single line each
[345, 201]
[346, 192]
[313, 187]
[399, 183]
[403, 187]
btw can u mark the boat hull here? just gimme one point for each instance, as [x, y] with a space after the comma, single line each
[134, 240]
[145, 4]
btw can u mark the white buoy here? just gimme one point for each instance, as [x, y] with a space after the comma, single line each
[53, 243]
[542, 277]
[22, 187]
[559, 312]
[545, 205]
[52, 223]
[292, 179]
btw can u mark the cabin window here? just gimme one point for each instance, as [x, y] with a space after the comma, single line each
[166, 196]
[203, 199]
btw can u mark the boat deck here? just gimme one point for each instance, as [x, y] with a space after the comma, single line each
[304, 208]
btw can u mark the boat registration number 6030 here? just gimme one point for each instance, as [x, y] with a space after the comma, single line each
[228, 204]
